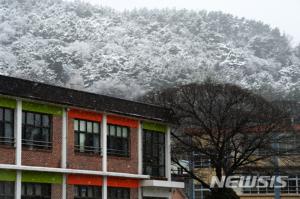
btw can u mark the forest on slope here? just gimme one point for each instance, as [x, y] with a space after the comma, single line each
[128, 53]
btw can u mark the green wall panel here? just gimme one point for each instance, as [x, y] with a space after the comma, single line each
[41, 177]
[41, 108]
[154, 127]
[7, 175]
[8, 103]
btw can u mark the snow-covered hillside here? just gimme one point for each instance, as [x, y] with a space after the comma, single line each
[128, 53]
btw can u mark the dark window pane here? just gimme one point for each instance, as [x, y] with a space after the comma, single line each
[8, 130]
[37, 120]
[1, 114]
[29, 189]
[118, 140]
[36, 191]
[46, 122]
[37, 130]
[45, 135]
[154, 153]
[6, 126]
[29, 118]
[2, 188]
[87, 192]
[8, 115]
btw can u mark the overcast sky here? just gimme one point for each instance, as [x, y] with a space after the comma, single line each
[284, 14]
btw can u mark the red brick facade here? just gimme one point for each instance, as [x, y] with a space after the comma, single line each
[9, 157]
[56, 191]
[46, 158]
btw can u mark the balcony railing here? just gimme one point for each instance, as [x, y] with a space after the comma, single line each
[116, 152]
[87, 149]
[36, 144]
[7, 141]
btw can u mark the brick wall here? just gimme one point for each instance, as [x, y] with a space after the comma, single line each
[56, 191]
[7, 154]
[133, 193]
[46, 158]
[126, 164]
[77, 160]
[70, 191]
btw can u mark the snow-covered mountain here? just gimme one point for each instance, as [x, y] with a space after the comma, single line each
[128, 53]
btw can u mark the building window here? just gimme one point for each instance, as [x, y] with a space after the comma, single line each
[201, 193]
[292, 187]
[7, 190]
[36, 130]
[87, 136]
[36, 191]
[94, 192]
[118, 193]
[118, 140]
[154, 153]
[87, 192]
[282, 143]
[201, 161]
[6, 126]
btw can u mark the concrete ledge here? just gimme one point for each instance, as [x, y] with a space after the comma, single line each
[161, 183]
[72, 171]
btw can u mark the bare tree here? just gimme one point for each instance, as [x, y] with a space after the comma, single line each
[222, 122]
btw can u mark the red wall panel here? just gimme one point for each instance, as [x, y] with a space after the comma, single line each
[85, 115]
[122, 121]
[78, 179]
[122, 182]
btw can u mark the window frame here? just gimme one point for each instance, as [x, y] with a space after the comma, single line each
[7, 140]
[114, 192]
[148, 155]
[94, 191]
[293, 190]
[32, 143]
[112, 151]
[201, 161]
[86, 149]
[4, 185]
[45, 187]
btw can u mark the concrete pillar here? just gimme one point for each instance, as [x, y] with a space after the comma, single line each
[140, 156]
[18, 141]
[104, 154]
[168, 153]
[64, 151]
